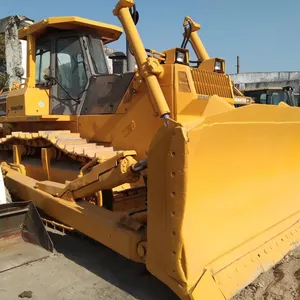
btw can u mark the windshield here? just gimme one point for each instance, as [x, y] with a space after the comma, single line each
[278, 96]
[42, 62]
[70, 69]
[273, 97]
[297, 99]
[97, 55]
[293, 99]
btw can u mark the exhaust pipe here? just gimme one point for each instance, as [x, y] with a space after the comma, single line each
[130, 58]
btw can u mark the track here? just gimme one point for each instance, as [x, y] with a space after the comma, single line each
[64, 142]
[71, 146]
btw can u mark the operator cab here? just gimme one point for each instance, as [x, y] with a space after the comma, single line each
[71, 63]
[272, 96]
[69, 58]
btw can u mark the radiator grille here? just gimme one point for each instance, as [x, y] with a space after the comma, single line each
[207, 83]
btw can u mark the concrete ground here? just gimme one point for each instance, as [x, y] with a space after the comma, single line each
[82, 270]
[85, 270]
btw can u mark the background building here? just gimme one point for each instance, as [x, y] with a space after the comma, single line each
[267, 79]
[13, 51]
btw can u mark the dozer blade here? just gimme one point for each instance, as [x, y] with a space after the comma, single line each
[23, 237]
[223, 199]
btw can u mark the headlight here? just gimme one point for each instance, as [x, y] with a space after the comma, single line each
[218, 66]
[180, 57]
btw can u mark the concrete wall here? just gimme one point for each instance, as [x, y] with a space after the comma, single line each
[115, 65]
[267, 79]
[108, 52]
[13, 53]
[3, 24]
[15, 50]
[24, 58]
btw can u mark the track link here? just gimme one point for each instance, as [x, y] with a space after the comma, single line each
[65, 142]
[71, 145]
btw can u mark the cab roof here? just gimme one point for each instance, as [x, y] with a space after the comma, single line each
[109, 33]
[264, 89]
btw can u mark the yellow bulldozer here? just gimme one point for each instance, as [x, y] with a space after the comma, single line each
[156, 164]
[272, 95]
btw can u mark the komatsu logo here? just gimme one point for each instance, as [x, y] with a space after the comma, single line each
[203, 97]
[18, 107]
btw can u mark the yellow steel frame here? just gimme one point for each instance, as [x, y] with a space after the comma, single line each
[205, 239]
[200, 49]
[94, 221]
[108, 32]
[198, 186]
[149, 67]
[58, 200]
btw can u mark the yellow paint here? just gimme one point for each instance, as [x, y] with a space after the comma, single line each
[206, 288]
[209, 65]
[198, 185]
[139, 112]
[18, 151]
[31, 51]
[43, 118]
[83, 215]
[195, 39]
[214, 173]
[124, 130]
[108, 32]
[170, 55]
[27, 102]
[148, 67]
[46, 155]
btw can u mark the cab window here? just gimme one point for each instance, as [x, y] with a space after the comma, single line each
[42, 62]
[277, 97]
[70, 68]
[98, 56]
[263, 98]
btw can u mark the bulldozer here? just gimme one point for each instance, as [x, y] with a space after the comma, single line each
[268, 95]
[272, 95]
[157, 164]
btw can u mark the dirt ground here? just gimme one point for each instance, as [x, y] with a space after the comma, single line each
[83, 270]
[280, 283]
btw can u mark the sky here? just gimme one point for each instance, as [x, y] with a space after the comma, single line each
[264, 33]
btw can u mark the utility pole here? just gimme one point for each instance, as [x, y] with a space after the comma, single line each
[238, 65]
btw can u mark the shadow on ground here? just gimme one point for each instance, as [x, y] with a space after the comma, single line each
[131, 277]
